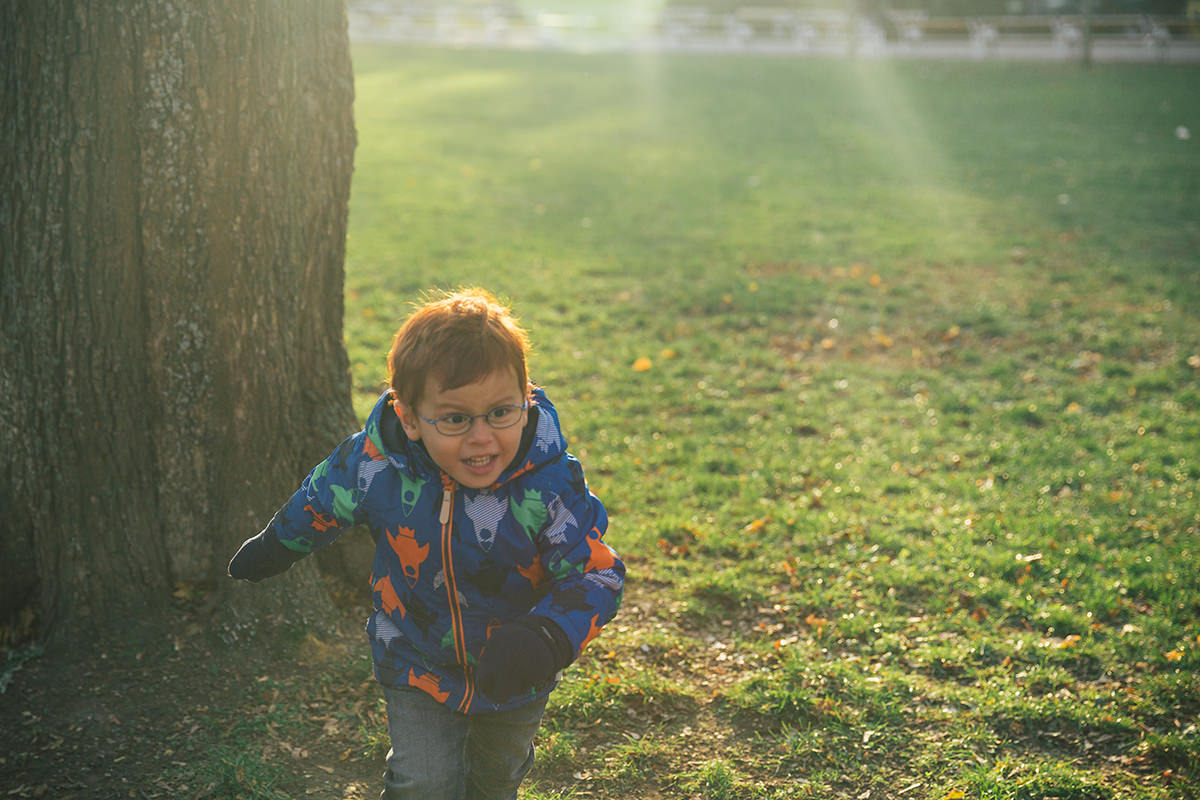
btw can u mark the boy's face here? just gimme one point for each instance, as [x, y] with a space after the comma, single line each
[477, 457]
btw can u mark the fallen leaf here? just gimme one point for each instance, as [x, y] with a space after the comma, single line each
[756, 526]
[643, 364]
[1174, 655]
[951, 333]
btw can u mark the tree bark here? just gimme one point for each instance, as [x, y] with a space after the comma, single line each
[173, 208]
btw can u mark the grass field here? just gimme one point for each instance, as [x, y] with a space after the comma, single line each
[888, 374]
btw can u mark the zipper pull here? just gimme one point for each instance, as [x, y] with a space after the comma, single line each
[447, 502]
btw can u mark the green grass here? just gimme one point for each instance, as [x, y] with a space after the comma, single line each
[907, 494]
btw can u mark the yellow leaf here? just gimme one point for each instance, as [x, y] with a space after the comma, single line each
[828, 343]
[951, 334]
[1070, 641]
[1174, 655]
[643, 364]
[882, 339]
[815, 622]
[668, 353]
[756, 526]
[956, 794]
[875, 281]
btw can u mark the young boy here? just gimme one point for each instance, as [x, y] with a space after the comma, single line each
[490, 574]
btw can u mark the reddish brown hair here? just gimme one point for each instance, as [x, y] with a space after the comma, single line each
[458, 339]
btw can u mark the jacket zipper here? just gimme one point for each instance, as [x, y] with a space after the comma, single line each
[446, 517]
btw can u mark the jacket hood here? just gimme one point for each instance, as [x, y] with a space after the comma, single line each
[542, 440]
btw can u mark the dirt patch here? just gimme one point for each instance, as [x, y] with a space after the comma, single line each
[133, 718]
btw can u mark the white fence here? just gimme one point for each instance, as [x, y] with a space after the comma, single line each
[909, 34]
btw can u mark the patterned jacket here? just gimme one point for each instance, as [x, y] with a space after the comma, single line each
[453, 563]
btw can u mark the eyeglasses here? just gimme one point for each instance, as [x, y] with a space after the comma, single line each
[499, 418]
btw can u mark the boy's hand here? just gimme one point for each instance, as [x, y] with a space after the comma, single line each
[520, 656]
[261, 557]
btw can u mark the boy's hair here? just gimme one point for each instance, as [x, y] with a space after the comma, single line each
[458, 339]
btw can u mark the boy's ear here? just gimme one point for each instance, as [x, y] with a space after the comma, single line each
[408, 421]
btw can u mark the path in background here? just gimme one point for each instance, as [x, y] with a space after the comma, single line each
[1124, 38]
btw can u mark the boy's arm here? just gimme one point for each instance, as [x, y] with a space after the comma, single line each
[325, 504]
[586, 579]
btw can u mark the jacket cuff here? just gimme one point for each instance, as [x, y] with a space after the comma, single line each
[275, 549]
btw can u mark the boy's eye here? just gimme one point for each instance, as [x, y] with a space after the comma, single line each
[455, 420]
[500, 413]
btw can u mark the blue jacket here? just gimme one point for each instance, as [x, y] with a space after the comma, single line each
[452, 563]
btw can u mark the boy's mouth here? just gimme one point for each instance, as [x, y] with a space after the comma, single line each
[479, 462]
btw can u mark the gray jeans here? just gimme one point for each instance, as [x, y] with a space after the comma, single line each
[440, 754]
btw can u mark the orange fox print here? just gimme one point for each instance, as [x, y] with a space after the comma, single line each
[388, 597]
[412, 555]
[321, 522]
[592, 633]
[371, 451]
[428, 683]
[602, 556]
[535, 573]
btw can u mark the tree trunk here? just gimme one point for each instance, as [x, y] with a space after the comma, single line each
[173, 204]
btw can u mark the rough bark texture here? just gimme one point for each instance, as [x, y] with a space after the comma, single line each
[173, 202]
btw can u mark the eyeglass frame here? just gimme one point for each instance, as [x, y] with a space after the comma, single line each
[472, 417]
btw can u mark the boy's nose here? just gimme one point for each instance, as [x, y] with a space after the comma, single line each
[479, 430]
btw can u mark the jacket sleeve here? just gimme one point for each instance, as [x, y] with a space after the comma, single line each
[586, 576]
[326, 503]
